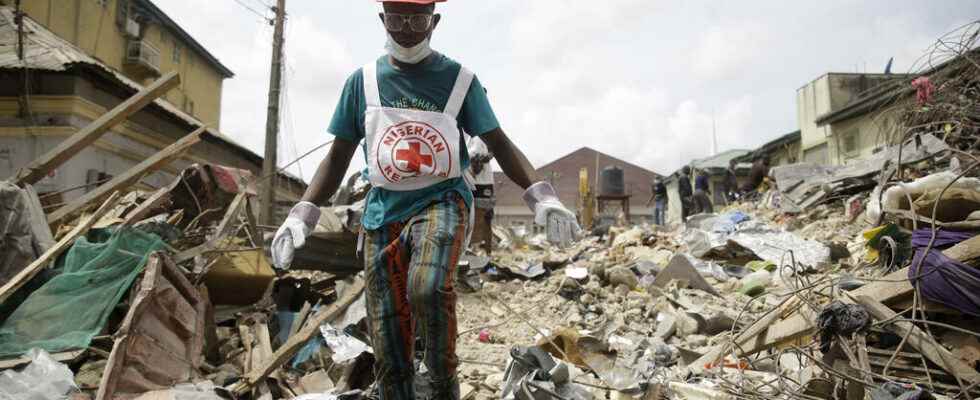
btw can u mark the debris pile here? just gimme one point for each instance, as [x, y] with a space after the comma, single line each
[840, 282]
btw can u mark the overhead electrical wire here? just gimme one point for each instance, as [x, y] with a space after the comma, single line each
[252, 10]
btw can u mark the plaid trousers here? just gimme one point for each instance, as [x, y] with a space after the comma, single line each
[410, 272]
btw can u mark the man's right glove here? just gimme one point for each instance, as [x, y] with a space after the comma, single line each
[560, 224]
[292, 234]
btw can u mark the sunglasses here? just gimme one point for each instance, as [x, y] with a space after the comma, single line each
[416, 22]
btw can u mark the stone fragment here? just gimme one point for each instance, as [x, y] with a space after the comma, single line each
[620, 275]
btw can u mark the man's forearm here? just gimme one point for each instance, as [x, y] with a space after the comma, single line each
[511, 159]
[330, 172]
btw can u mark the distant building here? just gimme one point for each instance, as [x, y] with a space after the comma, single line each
[716, 167]
[868, 122]
[138, 40]
[780, 151]
[60, 87]
[563, 173]
[822, 143]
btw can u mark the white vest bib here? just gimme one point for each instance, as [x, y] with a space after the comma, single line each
[412, 149]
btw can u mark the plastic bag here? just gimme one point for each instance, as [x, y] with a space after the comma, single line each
[42, 379]
[345, 347]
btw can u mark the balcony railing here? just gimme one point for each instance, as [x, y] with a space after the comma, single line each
[141, 54]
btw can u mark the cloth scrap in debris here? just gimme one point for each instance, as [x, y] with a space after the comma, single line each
[942, 279]
[843, 319]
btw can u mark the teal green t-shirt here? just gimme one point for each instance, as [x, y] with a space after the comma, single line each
[425, 88]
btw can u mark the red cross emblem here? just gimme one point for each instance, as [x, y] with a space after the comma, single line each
[413, 157]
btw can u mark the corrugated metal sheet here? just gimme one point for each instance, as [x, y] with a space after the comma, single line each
[42, 48]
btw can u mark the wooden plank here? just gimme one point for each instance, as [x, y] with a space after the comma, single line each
[128, 178]
[920, 340]
[296, 342]
[965, 251]
[147, 205]
[65, 150]
[27, 273]
[298, 320]
[64, 356]
[718, 352]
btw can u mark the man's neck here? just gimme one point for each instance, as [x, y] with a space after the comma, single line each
[404, 66]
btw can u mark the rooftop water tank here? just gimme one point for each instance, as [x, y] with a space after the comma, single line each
[612, 182]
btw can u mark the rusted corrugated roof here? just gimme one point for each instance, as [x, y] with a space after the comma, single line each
[42, 48]
[45, 50]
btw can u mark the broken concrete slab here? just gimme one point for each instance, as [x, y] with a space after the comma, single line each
[681, 269]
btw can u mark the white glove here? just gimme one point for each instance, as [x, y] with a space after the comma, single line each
[560, 224]
[293, 233]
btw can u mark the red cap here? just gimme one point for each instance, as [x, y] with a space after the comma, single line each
[412, 1]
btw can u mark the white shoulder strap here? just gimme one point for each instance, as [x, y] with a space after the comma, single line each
[462, 87]
[372, 95]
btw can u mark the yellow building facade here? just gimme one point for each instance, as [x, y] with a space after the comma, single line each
[137, 39]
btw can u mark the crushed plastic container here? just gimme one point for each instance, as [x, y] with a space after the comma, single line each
[42, 379]
[755, 283]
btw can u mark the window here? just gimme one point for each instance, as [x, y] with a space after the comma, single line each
[122, 13]
[102, 3]
[849, 142]
[176, 53]
[188, 105]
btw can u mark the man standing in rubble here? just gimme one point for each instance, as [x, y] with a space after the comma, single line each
[760, 169]
[702, 189]
[685, 192]
[658, 197]
[480, 175]
[408, 110]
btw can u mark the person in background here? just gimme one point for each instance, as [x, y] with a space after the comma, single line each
[658, 196]
[731, 182]
[480, 175]
[760, 168]
[685, 192]
[702, 189]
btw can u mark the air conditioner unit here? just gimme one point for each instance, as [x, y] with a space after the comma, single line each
[132, 28]
[141, 54]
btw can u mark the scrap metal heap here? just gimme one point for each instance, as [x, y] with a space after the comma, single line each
[839, 282]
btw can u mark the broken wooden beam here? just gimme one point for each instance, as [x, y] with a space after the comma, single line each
[67, 149]
[920, 340]
[31, 270]
[128, 178]
[717, 353]
[297, 341]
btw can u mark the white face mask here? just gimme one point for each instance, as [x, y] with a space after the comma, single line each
[408, 55]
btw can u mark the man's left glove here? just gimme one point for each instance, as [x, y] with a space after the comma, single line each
[560, 224]
[292, 234]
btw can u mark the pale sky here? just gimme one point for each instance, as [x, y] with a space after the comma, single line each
[637, 79]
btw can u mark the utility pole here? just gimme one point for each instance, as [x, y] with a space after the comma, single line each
[269, 165]
[19, 20]
[714, 135]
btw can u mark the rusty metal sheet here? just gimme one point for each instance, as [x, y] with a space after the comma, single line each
[161, 341]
